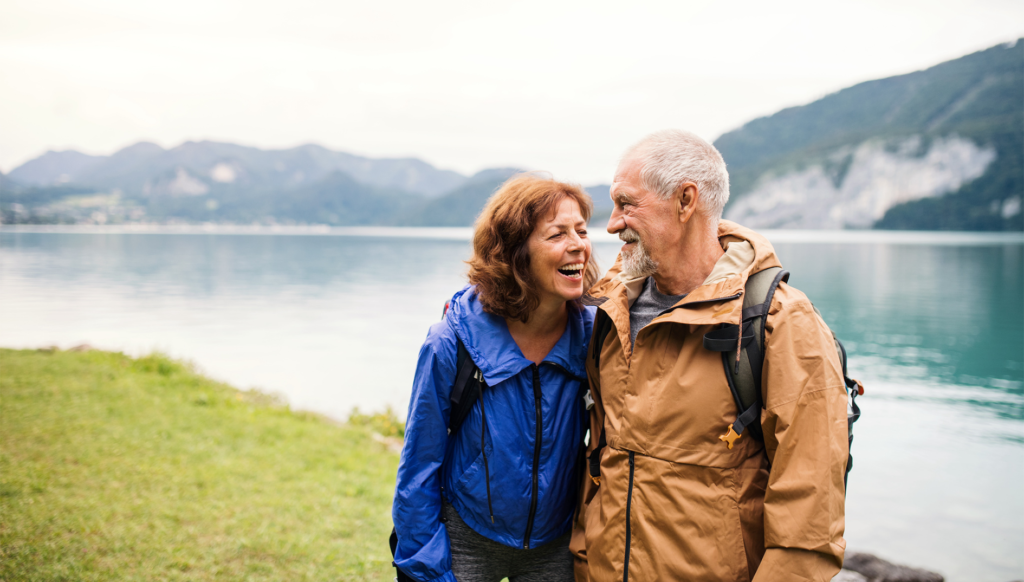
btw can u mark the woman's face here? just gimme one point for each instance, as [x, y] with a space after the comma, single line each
[559, 252]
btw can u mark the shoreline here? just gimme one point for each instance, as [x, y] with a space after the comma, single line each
[599, 236]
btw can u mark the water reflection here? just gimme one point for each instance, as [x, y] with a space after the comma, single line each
[928, 321]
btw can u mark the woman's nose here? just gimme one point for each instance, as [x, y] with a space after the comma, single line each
[576, 242]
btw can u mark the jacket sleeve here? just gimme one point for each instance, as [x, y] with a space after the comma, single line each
[805, 436]
[423, 550]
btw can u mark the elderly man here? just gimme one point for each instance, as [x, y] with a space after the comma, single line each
[677, 496]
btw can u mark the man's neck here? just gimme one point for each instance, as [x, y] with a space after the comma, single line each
[688, 265]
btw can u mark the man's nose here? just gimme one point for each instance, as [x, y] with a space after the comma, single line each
[616, 223]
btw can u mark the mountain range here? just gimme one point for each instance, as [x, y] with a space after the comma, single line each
[222, 182]
[938, 149]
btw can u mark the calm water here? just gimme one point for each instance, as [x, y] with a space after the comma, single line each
[935, 331]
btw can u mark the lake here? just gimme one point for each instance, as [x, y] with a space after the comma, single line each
[333, 319]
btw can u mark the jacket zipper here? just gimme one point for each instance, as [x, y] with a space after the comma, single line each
[704, 301]
[629, 501]
[536, 457]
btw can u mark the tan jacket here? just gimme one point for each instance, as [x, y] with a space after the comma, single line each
[674, 502]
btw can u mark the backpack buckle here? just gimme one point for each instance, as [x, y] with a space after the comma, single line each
[730, 437]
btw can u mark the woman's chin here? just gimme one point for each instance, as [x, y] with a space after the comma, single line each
[573, 295]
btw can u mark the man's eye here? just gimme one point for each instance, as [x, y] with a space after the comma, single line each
[582, 233]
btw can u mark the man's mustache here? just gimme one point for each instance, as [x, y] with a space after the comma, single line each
[629, 235]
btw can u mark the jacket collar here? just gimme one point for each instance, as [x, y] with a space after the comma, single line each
[492, 348]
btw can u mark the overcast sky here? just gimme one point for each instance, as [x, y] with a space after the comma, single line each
[563, 87]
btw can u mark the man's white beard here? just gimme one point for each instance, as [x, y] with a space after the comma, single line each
[636, 263]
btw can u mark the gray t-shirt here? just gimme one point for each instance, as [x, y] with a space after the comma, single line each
[647, 306]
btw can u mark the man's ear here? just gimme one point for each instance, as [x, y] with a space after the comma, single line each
[686, 201]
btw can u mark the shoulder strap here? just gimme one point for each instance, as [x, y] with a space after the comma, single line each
[744, 373]
[466, 390]
[468, 383]
[853, 390]
[393, 542]
[602, 326]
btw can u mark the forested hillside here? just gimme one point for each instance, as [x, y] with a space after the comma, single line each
[941, 148]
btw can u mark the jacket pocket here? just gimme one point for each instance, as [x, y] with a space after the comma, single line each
[473, 493]
[462, 484]
[684, 523]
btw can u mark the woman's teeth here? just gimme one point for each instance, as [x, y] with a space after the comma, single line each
[572, 271]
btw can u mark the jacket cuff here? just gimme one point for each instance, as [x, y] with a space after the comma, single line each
[446, 577]
[795, 565]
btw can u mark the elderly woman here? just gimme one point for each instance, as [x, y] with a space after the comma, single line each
[494, 496]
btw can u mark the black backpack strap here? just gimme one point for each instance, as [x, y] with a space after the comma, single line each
[854, 389]
[602, 326]
[466, 390]
[468, 383]
[393, 541]
[744, 374]
[594, 461]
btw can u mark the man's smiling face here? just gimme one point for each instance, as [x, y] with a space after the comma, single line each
[642, 219]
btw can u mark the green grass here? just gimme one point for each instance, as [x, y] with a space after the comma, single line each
[114, 468]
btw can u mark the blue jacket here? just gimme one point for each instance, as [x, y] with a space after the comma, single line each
[435, 465]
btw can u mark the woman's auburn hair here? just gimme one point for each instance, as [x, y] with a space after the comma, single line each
[500, 266]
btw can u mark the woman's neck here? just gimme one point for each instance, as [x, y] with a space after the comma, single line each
[541, 331]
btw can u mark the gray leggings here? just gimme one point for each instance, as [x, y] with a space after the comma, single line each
[478, 559]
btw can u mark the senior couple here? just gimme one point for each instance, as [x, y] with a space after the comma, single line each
[518, 490]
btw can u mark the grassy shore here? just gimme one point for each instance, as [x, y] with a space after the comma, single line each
[114, 468]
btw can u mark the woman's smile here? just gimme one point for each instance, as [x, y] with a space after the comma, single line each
[573, 271]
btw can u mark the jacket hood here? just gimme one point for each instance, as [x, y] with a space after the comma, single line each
[761, 252]
[492, 348]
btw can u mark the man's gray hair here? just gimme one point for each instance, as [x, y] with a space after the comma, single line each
[672, 157]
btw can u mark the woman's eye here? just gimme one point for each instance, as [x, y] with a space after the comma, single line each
[553, 237]
[582, 233]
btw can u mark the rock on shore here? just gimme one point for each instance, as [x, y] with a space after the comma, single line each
[869, 568]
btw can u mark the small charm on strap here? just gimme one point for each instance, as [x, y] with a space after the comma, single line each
[596, 480]
[730, 437]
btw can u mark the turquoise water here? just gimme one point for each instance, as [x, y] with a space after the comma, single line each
[934, 325]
